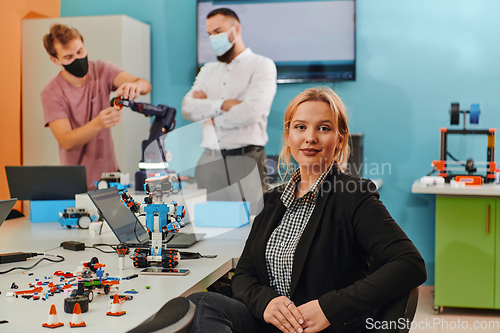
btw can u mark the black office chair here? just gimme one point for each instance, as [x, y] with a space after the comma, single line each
[176, 316]
[403, 306]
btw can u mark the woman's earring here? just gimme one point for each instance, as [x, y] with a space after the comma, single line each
[288, 144]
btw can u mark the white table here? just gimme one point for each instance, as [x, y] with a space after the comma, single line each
[489, 189]
[28, 315]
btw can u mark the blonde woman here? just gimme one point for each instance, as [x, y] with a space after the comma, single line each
[305, 267]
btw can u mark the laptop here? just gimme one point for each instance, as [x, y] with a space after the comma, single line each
[181, 240]
[5, 208]
[46, 182]
[127, 227]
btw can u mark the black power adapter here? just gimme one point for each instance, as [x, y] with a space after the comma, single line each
[6, 258]
[73, 246]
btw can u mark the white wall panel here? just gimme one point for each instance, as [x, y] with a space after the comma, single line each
[117, 38]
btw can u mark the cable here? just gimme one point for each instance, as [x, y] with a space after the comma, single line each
[179, 182]
[39, 261]
[96, 246]
[432, 171]
[135, 231]
[454, 158]
[169, 237]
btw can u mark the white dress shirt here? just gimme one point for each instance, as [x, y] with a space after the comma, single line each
[249, 78]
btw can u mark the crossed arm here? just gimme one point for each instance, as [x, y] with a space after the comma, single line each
[232, 113]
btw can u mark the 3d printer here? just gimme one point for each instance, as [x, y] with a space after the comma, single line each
[446, 168]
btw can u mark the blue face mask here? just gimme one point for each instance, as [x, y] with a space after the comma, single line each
[220, 43]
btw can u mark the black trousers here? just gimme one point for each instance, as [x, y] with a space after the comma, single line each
[233, 178]
[217, 313]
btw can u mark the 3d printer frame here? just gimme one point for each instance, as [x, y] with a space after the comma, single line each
[442, 165]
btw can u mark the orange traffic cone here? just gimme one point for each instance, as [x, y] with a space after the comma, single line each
[116, 308]
[53, 322]
[76, 320]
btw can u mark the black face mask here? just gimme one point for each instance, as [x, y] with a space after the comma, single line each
[79, 67]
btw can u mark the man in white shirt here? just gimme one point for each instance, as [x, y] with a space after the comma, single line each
[233, 98]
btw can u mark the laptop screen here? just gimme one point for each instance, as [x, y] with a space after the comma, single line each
[122, 221]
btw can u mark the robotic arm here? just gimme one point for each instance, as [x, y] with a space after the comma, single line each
[164, 120]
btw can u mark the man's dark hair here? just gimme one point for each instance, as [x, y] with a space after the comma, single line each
[223, 11]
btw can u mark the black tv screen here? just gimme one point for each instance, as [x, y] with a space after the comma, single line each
[310, 41]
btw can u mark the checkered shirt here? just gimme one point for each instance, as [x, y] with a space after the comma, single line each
[281, 245]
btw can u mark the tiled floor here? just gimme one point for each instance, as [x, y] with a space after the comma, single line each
[452, 319]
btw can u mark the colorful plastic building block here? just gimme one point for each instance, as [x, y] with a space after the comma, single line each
[73, 216]
[161, 219]
[113, 179]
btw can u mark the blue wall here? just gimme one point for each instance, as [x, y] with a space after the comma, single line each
[414, 58]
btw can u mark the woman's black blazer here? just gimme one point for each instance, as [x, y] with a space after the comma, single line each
[348, 225]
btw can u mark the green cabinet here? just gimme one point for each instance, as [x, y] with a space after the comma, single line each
[467, 258]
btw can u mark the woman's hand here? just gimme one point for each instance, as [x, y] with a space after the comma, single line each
[315, 319]
[282, 313]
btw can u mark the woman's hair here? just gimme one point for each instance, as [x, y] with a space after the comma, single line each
[61, 34]
[319, 94]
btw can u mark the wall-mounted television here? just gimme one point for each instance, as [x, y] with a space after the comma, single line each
[310, 41]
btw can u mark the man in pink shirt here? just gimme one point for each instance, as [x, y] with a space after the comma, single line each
[76, 103]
